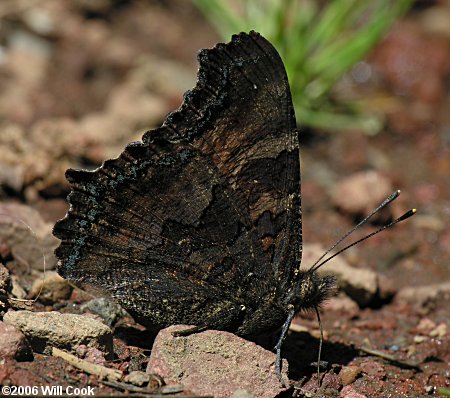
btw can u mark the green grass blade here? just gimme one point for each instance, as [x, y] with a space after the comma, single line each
[318, 45]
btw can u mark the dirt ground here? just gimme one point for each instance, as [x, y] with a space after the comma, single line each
[80, 79]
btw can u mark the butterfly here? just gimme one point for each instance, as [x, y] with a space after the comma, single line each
[200, 222]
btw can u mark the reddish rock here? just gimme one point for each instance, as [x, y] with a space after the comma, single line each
[309, 389]
[410, 388]
[91, 354]
[329, 386]
[215, 363]
[13, 344]
[121, 350]
[350, 392]
[331, 381]
[374, 369]
[79, 296]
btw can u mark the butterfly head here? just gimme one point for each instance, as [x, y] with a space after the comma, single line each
[314, 289]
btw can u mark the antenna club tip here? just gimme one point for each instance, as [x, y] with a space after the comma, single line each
[408, 214]
[394, 195]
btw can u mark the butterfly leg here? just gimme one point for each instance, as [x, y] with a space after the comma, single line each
[187, 332]
[284, 330]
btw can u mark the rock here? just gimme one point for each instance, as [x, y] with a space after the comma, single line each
[13, 344]
[17, 290]
[424, 296]
[241, 393]
[28, 235]
[50, 288]
[109, 311]
[242, 363]
[439, 331]
[341, 303]
[361, 192]
[419, 339]
[65, 331]
[350, 392]
[425, 326]
[91, 354]
[359, 284]
[137, 378]
[309, 389]
[331, 381]
[349, 374]
[374, 369]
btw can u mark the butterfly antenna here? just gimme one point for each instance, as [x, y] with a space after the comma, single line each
[388, 200]
[408, 214]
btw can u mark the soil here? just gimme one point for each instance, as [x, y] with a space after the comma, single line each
[79, 80]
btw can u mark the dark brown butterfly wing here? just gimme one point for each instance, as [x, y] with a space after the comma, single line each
[200, 222]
